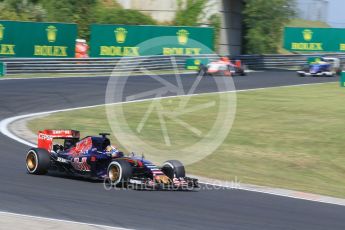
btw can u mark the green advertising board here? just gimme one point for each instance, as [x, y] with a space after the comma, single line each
[2, 69]
[121, 40]
[314, 39]
[342, 79]
[36, 39]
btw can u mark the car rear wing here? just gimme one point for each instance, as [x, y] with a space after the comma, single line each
[45, 137]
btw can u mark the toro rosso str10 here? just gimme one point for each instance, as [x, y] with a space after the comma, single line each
[94, 157]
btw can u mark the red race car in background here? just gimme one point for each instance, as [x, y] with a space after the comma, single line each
[223, 67]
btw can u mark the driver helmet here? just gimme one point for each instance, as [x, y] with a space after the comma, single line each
[113, 151]
[322, 61]
[109, 148]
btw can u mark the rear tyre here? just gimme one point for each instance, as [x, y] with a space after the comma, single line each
[173, 169]
[244, 70]
[305, 68]
[202, 70]
[37, 161]
[119, 172]
[301, 75]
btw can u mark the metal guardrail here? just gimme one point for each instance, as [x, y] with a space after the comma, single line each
[133, 64]
[96, 65]
[282, 61]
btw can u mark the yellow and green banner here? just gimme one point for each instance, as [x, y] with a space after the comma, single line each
[122, 40]
[37, 39]
[314, 39]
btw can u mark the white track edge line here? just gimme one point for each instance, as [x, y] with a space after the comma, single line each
[341, 201]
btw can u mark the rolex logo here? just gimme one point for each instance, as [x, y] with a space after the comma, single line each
[307, 34]
[120, 34]
[196, 62]
[182, 36]
[2, 28]
[51, 33]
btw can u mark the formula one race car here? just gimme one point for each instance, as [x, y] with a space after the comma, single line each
[223, 67]
[321, 66]
[94, 157]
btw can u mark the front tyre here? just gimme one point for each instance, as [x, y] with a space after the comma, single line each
[119, 171]
[37, 161]
[173, 169]
[202, 70]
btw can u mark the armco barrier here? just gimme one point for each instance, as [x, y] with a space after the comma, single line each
[95, 65]
[276, 61]
[160, 62]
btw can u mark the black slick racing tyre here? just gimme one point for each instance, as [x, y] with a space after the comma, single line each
[202, 70]
[301, 75]
[305, 68]
[119, 171]
[173, 169]
[241, 72]
[37, 161]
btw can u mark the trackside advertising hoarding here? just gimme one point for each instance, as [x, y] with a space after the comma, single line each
[36, 39]
[2, 69]
[121, 40]
[342, 79]
[314, 39]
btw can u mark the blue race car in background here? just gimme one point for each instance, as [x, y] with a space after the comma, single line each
[321, 66]
[94, 157]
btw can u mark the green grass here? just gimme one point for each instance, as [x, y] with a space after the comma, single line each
[286, 137]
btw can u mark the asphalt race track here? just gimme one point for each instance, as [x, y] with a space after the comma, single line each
[85, 201]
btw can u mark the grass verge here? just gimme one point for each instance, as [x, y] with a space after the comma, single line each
[289, 137]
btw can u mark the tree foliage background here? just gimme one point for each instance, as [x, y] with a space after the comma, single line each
[188, 12]
[86, 12]
[191, 12]
[264, 21]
